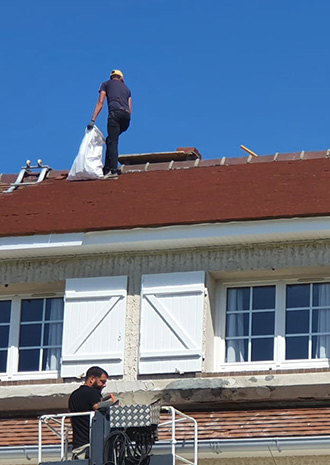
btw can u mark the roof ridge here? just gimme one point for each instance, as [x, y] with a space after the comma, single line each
[226, 161]
[198, 162]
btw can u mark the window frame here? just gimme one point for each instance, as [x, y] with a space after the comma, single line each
[248, 314]
[12, 373]
[279, 361]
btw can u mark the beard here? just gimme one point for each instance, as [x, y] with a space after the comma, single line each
[96, 386]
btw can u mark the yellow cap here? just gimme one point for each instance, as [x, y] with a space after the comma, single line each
[117, 72]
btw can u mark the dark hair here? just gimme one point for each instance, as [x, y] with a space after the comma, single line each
[96, 371]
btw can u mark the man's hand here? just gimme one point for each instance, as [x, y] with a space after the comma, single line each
[107, 401]
[90, 125]
[104, 404]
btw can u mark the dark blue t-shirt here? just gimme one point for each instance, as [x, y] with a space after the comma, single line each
[117, 94]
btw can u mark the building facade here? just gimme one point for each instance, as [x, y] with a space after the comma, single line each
[204, 284]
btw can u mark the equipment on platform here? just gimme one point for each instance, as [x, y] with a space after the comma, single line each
[119, 435]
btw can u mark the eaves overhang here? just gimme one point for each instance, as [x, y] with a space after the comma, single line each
[165, 238]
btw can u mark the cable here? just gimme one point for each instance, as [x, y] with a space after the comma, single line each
[116, 447]
[129, 447]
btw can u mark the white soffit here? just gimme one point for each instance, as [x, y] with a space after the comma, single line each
[164, 238]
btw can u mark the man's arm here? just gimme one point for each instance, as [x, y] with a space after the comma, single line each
[130, 104]
[98, 108]
[96, 398]
[99, 105]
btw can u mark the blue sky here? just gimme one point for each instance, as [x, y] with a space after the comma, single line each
[213, 74]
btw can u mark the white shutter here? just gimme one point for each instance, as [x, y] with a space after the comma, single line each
[94, 325]
[171, 329]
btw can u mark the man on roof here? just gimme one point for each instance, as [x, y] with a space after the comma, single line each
[120, 108]
[86, 399]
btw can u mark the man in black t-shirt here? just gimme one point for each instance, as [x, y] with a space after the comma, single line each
[85, 399]
[120, 109]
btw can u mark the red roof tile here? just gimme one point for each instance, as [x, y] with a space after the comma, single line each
[204, 194]
[211, 425]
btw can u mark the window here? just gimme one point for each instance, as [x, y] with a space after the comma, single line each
[40, 335]
[274, 325]
[308, 321]
[31, 335]
[5, 306]
[250, 324]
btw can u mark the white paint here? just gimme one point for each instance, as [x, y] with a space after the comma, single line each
[94, 325]
[163, 238]
[171, 328]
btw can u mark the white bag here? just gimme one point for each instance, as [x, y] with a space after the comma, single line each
[88, 163]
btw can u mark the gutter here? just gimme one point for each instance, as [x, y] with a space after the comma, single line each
[166, 237]
[213, 448]
[251, 447]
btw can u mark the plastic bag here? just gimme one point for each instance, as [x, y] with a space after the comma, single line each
[88, 163]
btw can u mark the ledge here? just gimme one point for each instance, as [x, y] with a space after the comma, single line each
[190, 393]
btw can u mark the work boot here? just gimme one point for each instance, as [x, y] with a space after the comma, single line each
[110, 175]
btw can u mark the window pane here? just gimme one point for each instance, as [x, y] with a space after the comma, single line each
[263, 297]
[53, 334]
[30, 335]
[54, 309]
[263, 323]
[296, 347]
[5, 306]
[237, 350]
[297, 295]
[238, 299]
[32, 309]
[321, 320]
[321, 295]
[41, 325]
[3, 361]
[28, 360]
[51, 359]
[237, 324]
[321, 346]
[262, 349]
[297, 322]
[4, 335]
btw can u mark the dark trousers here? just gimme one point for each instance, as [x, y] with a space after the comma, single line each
[118, 122]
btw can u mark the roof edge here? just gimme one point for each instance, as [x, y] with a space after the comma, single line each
[167, 237]
[189, 157]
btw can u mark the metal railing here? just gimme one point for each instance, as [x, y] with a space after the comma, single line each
[173, 422]
[61, 429]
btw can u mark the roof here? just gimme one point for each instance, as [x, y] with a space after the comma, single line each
[285, 422]
[176, 193]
